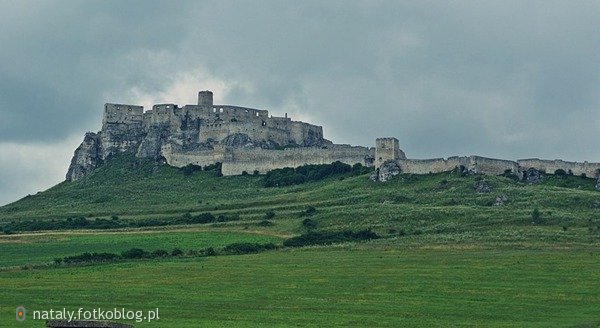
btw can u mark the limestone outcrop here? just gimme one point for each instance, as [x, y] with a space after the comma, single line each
[482, 187]
[533, 176]
[386, 171]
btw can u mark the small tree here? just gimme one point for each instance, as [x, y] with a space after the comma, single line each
[536, 217]
[309, 224]
[560, 172]
[310, 211]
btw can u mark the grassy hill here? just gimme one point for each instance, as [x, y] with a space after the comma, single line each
[446, 254]
[435, 207]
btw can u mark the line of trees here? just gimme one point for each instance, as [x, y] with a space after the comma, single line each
[314, 172]
[114, 223]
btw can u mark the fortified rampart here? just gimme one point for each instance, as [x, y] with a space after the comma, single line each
[477, 164]
[247, 140]
[263, 160]
[590, 170]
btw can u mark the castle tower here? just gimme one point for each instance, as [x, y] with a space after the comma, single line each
[387, 149]
[205, 98]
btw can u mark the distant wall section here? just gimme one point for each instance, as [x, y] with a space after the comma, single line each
[550, 166]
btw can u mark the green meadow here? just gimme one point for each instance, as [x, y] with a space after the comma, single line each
[446, 256]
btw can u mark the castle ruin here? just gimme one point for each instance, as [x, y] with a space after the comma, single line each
[249, 140]
[241, 138]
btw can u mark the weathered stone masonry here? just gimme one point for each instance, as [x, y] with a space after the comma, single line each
[248, 139]
[477, 164]
[241, 138]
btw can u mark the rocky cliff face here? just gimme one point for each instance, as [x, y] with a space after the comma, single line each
[204, 134]
[149, 140]
[86, 158]
[97, 147]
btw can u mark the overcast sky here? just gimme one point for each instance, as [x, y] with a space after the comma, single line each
[503, 79]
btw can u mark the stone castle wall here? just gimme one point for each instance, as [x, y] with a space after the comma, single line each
[200, 157]
[477, 164]
[237, 160]
[122, 114]
[550, 166]
[264, 160]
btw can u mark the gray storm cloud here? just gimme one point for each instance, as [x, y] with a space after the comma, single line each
[505, 79]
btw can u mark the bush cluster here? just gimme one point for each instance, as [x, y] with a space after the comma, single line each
[138, 253]
[292, 176]
[309, 211]
[189, 169]
[114, 223]
[246, 248]
[309, 223]
[329, 237]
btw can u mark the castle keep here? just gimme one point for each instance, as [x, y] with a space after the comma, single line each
[248, 140]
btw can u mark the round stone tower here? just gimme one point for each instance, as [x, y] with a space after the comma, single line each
[205, 98]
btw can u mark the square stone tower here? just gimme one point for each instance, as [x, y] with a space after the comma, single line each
[387, 149]
[205, 98]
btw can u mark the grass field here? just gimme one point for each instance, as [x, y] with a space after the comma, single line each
[446, 256]
[361, 287]
[43, 248]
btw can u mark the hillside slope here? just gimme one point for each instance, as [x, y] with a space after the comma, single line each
[443, 207]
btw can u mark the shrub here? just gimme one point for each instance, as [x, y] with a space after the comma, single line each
[269, 215]
[189, 169]
[508, 173]
[358, 169]
[560, 172]
[265, 223]
[309, 211]
[536, 217]
[313, 172]
[88, 258]
[309, 223]
[201, 218]
[325, 238]
[134, 253]
[256, 172]
[177, 252]
[214, 167]
[160, 253]
[209, 252]
[247, 248]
